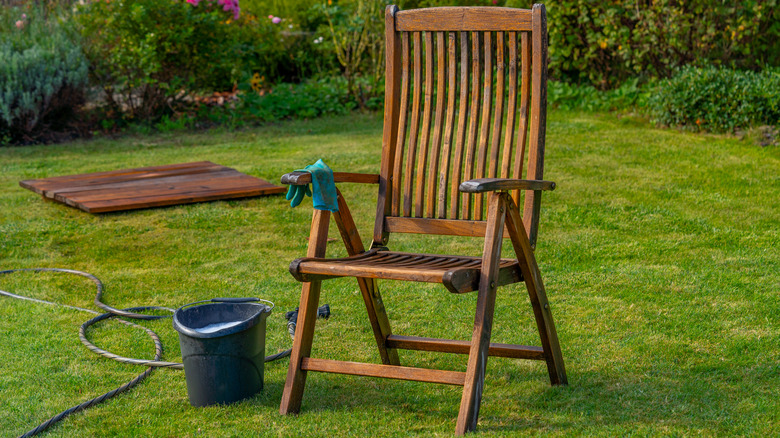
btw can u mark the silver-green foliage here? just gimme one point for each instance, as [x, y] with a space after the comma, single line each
[43, 70]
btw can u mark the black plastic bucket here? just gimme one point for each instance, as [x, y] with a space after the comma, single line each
[223, 348]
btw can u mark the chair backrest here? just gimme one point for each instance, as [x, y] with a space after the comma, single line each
[460, 82]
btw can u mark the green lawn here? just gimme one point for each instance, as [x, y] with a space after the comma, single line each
[659, 250]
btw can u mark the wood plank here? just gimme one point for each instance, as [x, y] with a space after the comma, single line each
[461, 131]
[40, 186]
[402, 126]
[483, 322]
[292, 394]
[498, 118]
[469, 19]
[445, 227]
[375, 307]
[300, 178]
[106, 206]
[525, 97]
[537, 294]
[384, 371]
[392, 116]
[493, 184]
[411, 157]
[487, 100]
[155, 185]
[473, 122]
[422, 162]
[538, 129]
[227, 183]
[444, 175]
[433, 165]
[506, 160]
[462, 347]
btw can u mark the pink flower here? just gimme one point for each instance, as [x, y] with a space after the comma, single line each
[193, 2]
[19, 24]
[24, 16]
[276, 20]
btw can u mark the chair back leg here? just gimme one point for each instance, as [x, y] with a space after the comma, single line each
[369, 289]
[537, 295]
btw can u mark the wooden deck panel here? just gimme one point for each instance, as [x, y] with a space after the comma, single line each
[155, 186]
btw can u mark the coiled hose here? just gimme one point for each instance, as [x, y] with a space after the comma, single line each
[111, 313]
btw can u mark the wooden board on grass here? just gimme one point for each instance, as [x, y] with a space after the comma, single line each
[156, 186]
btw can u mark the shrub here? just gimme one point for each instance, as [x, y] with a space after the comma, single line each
[43, 74]
[717, 99]
[150, 55]
[568, 96]
[608, 42]
[310, 99]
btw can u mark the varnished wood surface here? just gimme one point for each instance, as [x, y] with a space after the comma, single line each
[300, 178]
[468, 19]
[155, 186]
[384, 371]
[462, 347]
[492, 184]
[452, 113]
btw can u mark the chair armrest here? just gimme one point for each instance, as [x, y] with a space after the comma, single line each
[301, 178]
[492, 184]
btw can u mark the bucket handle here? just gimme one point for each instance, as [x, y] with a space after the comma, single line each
[231, 300]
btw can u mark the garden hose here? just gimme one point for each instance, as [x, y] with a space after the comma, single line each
[112, 312]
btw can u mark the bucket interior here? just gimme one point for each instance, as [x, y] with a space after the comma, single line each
[218, 319]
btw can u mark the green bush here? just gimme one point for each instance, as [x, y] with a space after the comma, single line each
[309, 99]
[43, 74]
[606, 43]
[717, 99]
[150, 55]
[568, 96]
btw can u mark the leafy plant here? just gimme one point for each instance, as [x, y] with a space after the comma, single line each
[149, 55]
[43, 74]
[717, 99]
[606, 43]
[355, 33]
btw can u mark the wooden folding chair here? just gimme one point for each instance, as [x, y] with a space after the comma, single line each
[459, 85]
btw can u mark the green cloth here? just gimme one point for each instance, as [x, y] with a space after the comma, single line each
[323, 190]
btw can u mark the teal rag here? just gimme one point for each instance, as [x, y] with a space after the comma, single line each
[323, 191]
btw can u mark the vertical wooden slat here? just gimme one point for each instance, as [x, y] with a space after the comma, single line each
[390, 136]
[402, 125]
[533, 199]
[423, 160]
[444, 174]
[511, 108]
[484, 134]
[498, 118]
[433, 165]
[473, 120]
[463, 106]
[411, 157]
[525, 91]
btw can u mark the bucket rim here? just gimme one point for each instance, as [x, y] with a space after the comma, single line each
[241, 326]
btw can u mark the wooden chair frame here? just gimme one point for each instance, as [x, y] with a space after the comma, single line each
[418, 213]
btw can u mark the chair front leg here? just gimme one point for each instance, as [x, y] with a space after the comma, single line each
[483, 321]
[307, 316]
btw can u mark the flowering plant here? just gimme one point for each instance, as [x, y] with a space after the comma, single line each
[227, 5]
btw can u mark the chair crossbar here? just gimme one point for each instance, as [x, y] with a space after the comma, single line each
[384, 371]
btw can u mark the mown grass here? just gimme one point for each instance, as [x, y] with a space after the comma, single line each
[658, 249]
